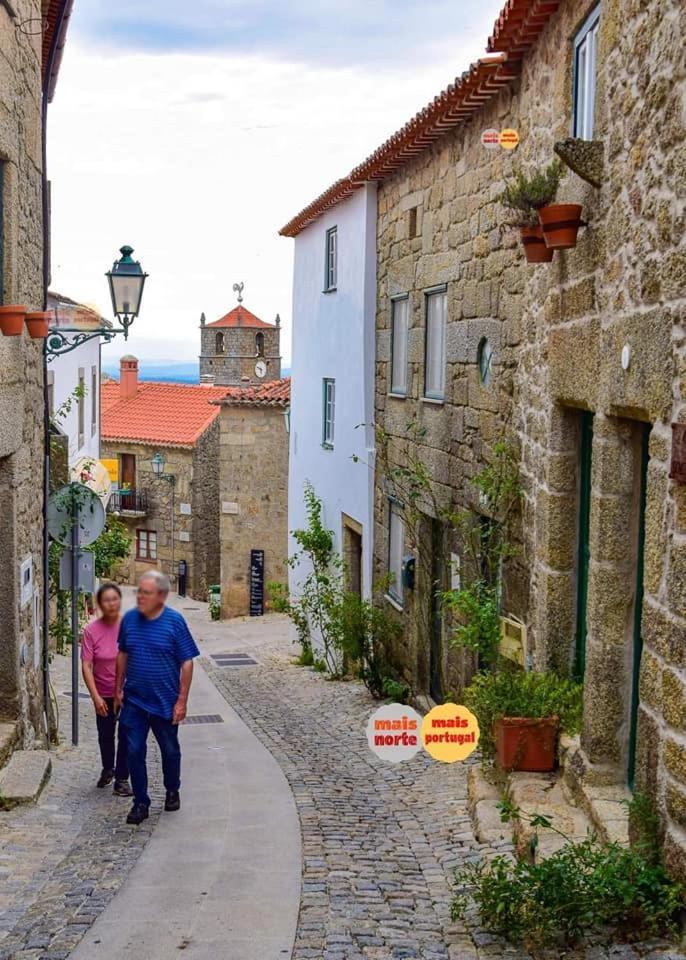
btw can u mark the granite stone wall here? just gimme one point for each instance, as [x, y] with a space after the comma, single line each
[205, 502]
[557, 332]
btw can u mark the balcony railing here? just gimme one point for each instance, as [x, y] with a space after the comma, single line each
[128, 501]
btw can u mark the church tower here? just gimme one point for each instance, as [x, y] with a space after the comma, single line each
[239, 349]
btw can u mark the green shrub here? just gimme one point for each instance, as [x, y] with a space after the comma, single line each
[526, 195]
[396, 690]
[366, 632]
[513, 693]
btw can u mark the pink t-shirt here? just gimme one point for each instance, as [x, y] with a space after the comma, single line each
[99, 644]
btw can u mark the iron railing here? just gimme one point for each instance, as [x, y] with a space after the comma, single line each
[128, 501]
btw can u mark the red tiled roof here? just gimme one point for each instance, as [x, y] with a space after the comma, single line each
[239, 317]
[276, 393]
[56, 14]
[169, 414]
[516, 29]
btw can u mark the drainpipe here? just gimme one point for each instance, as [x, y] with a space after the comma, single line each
[54, 58]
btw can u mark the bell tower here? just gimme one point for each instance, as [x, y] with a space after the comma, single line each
[239, 349]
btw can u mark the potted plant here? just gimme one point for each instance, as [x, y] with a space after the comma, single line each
[12, 319]
[525, 196]
[520, 715]
[38, 323]
[560, 223]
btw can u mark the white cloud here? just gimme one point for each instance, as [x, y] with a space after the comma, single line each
[196, 161]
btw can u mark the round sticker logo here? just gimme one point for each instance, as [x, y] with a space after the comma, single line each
[509, 139]
[490, 139]
[450, 732]
[393, 732]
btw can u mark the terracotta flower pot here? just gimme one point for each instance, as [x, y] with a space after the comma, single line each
[560, 222]
[38, 323]
[12, 319]
[535, 249]
[523, 743]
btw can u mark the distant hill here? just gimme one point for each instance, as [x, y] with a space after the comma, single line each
[166, 372]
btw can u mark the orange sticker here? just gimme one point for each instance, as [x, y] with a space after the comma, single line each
[509, 138]
[450, 732]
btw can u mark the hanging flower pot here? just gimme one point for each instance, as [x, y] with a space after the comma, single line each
[560, 222]
[38, 323]
[525, 743]
[12, 319]
[535, 249]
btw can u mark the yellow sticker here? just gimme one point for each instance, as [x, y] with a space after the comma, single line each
[112, 467]
[450, 732]
[509, 138]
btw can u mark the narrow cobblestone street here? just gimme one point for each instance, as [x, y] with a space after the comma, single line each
[379, 841]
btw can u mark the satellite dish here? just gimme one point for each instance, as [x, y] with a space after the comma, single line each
[90, 514]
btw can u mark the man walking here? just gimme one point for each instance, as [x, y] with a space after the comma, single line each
[155, 669]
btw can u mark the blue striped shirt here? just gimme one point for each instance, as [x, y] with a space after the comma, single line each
[155, 650]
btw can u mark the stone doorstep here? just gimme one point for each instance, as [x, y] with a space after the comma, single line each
[545, 793]
[9, 736]
[23, 778]
[483, 795]
[603, 802]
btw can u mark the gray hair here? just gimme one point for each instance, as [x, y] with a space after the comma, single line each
[161, 579]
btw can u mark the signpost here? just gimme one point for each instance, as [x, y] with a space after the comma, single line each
[76, 517]
[256, 583]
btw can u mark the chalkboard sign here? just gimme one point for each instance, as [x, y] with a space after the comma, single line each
[256, 583]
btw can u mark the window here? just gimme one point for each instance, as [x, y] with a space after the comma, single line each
[399, 324]
[94, 400]
[219, 343]
[259, 344]
[328, 412]
[485, 361]
[82, 406]
[331, 259]
[585, 47]
[434, 371]
[146, 545]
[412, 222]
[396, 545]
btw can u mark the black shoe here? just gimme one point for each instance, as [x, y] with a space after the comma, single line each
[137, 814]
[107, 776]
[122, 788]
[173, 801]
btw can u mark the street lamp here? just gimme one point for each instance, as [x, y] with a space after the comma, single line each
[126, 281]
[158, 464]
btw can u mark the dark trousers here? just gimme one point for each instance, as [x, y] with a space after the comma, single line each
[107, 727]
[137, 725]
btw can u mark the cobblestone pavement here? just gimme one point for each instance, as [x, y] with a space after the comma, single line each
[380, 841]
[62, 860]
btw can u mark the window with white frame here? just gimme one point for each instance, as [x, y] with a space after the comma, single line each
[396, 546]
[585, 52]
[399, 334]
[94, 400]
[146, 545]
[81, 409]
[328, 412]
[331, 259]
[434, 359]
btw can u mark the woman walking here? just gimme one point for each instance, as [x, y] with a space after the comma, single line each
[99, 649]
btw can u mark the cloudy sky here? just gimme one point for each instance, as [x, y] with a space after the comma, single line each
[193, 131]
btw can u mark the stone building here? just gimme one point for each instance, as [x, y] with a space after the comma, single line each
[579, 362]
[253, 481]
[239, 348]
[29, 63]
[175, 516]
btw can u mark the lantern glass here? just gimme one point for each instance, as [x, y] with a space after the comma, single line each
[158, 464]
[126, 279]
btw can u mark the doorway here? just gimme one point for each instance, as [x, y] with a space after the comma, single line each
[583, 553]
[352, 554]
[637, 645]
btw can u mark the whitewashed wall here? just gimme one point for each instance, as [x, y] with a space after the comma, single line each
[65, 373]
[333, 337]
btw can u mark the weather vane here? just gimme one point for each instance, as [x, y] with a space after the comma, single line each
[238, 288]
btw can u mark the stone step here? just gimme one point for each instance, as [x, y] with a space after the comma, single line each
[544, 793]
[9, 737]
[484, 793]
[605, 803]
[23, 777]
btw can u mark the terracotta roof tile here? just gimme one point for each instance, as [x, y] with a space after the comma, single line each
[239, 317]
[276, 393]
[169, 414]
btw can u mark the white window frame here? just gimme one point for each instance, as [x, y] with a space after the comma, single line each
[331, 260]
[94, 400]
[434, 340]
[400, 325]
[585, 61]
[81, 408]
[328, 412]
[396, 550]
[149, 539]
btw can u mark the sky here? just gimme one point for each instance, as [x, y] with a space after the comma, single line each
[194, 131]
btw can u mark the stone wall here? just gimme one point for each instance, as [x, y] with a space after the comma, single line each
[240, 354]
[557, 332]
[254, 499]
[21, 372]
[205, 501]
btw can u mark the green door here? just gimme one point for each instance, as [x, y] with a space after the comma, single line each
[583, 550]
[638, 605]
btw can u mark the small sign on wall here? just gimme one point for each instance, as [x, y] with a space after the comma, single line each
[228, 507]
[26, 581]
[185, 508]
[677, 469]
[185, 536]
